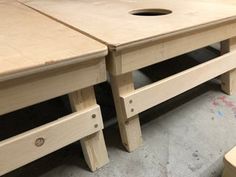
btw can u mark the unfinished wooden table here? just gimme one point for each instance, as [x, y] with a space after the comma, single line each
[142, 33]
[41, 59]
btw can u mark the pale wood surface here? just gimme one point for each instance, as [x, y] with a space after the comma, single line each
[229, 79]
[163, 90]
[230, 157]
[133, 59]
[29, 41]
[130, 130]
[93, 146]
[221, 1]
[25, 91]
[21, 149]
[110, 21]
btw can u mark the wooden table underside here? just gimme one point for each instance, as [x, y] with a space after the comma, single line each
[130, 102]
[37, 65]
[135, 42]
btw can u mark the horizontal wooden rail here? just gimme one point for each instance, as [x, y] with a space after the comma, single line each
[31, 145]
[29, 90]
[142, 56]
[158, 92]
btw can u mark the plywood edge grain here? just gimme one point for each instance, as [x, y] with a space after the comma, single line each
[27, 47]
[119, 47]
[49, 66]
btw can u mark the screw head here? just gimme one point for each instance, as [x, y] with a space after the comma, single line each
[39, 142]
[96, 125]
[130, 101]
[94, 116]
[132, 110]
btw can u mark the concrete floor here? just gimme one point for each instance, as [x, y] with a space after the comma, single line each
[186, 136]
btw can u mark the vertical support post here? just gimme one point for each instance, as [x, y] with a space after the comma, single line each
[228, 79]
[228, 171]
[130, 130]
[93, 146]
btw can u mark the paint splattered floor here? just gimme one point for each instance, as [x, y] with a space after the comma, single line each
[186, 136]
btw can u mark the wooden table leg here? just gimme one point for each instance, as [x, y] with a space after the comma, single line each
[228, 172]
[229, 79]
[93, 146]
[130, 130]
[229, 163]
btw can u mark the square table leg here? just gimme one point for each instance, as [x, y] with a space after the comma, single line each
[228, 172]
[229, 163]
[130, 129]
[229, 79]
[93, 146]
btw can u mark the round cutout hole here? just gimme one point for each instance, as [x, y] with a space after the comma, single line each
[150, 12]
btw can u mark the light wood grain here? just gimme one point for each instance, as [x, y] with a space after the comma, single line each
[229, 79]
[30, 42]
[93, 146]
[41, 59]
[119, 29]
[130, 130]
[158, 92]
[26, 91]
[233, 2]
[133, 58]
[135, 42]
[21, 149]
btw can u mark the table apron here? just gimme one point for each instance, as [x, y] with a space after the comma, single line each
[29, 90]
[134, 58]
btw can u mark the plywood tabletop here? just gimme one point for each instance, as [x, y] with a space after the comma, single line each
[31, 41]
[110, 21]
[221, 1]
